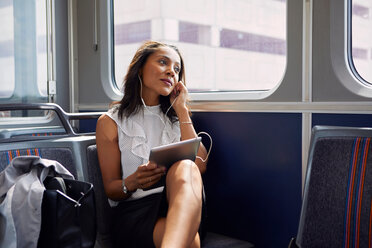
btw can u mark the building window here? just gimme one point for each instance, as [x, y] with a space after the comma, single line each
[361, 11]
[127, 33]
[252, 42]
[360, 53]
[194, 33]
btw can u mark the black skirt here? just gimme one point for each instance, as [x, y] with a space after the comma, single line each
[134, 221]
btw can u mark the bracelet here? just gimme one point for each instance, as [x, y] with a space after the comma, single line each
[186, 122]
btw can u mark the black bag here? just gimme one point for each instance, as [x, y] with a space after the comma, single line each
[68, 214]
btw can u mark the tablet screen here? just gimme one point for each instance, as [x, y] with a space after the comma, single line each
[169, 154]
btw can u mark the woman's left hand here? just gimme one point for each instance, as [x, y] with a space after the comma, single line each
[179, 93]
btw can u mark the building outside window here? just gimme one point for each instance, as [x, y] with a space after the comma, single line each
[230, 45]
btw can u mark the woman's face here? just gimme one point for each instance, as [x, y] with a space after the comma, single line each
[160, 74]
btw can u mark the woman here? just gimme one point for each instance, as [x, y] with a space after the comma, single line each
[152, 112]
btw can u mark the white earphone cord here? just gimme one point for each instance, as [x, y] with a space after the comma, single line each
[209, 151]
[144, 104]
[210, 138]
[210, 147]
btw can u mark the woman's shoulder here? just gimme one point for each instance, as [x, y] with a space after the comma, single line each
[106, 128]
[105, 118]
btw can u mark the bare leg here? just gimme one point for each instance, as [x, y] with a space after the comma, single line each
[159, 233]
[184, 195]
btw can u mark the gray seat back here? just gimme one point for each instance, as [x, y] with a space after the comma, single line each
[50, 137]
[61, 154]
[103, 209]
[336, 210]
[69, 151]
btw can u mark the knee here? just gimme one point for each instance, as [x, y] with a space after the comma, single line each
[184, 172]
[184, 177]
[184, 185]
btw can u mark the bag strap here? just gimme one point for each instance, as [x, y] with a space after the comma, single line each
[55, 183]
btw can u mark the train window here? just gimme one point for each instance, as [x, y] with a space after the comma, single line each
[361, 36]
[26, 123]
[228, 46]
[23, 56]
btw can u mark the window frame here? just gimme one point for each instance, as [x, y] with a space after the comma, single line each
[107, 45]
[349, 10]
[341, 49]
[50, 63]
[293, 62]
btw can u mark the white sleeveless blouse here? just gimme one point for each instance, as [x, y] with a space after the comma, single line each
[137, 134]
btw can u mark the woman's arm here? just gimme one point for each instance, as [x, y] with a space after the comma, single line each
[188, 132]
[186, 125]
[109, 157]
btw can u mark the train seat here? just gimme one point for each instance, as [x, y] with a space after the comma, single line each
[52, 138]
[212, 240]
[103, 209]
[61, 154]
[69, 151]
[337, 208]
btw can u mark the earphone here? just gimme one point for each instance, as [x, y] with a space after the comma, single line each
[145, 106]
[200, 133]
[210, 138]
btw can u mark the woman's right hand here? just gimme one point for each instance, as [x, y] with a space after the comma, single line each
[145, 176]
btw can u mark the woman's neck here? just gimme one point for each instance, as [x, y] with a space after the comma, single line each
[151, 102]
[150, 99]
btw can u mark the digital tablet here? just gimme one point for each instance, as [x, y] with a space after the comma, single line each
[169, 154]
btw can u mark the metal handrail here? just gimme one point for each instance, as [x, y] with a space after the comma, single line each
[63, 116]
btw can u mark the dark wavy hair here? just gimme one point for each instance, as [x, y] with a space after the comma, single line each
[131, 102]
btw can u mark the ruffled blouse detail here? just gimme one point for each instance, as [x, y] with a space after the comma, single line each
[132, 127]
